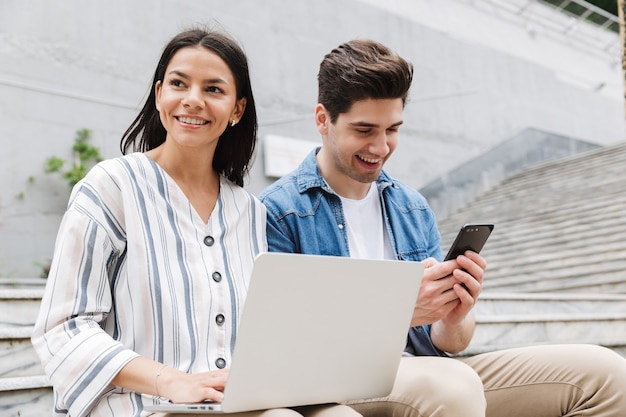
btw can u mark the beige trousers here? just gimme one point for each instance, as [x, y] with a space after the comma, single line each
[330, 410]
[541, 381]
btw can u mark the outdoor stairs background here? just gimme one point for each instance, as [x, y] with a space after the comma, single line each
[24, 390]
[557, 257]
[556, 274]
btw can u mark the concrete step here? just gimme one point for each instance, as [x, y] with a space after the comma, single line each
[607, 276]
[17, 355]
[559, 225]
[496, 333]
[25, 397]
[24, 389]
[506, 320]
[20, 306]
[20, 299]
[517, 303]
[17, 282]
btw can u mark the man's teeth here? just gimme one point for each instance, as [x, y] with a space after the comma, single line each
[368, 160]
[192, 121]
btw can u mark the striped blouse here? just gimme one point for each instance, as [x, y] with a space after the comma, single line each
[137, 272]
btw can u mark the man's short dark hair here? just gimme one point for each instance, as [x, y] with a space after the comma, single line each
[358, 70]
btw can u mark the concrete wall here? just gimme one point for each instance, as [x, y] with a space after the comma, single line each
[71, 64]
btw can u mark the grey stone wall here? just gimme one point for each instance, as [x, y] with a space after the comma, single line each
[71, 64]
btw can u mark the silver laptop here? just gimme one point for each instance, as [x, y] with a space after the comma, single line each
[317, 329]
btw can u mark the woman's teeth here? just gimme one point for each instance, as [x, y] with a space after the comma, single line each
[192, 121]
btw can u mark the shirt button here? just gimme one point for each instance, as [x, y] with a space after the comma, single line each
[219, 319]
[209, 241]
[340, 226]
[217, 277]
[220, 363]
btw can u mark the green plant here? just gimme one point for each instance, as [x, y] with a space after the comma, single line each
[45, 269]
[85, 156]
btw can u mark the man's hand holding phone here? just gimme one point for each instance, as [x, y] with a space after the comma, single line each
[450, 289]
[447, 295]
[471, 266]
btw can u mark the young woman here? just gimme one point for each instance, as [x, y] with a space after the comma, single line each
[153, 255]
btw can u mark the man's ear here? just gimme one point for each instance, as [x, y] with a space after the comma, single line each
[322, 119]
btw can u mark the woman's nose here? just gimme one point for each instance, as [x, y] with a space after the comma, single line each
[193, 98]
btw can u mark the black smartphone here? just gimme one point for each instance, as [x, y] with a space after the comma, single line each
[471, 237]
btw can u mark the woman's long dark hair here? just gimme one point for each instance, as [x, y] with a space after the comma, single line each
[235, 147]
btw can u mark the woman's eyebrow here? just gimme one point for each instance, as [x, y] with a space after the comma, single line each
[207, 81]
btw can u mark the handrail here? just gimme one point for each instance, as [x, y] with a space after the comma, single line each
[610, 21]
[580, 24]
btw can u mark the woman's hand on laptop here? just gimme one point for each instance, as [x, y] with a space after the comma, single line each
[193, 388]
[145, 375]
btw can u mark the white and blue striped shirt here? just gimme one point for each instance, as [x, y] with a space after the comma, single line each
[136, 271]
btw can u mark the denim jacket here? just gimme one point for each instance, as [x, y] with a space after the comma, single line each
[304, 215]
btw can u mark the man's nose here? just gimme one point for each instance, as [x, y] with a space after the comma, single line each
[380, 144]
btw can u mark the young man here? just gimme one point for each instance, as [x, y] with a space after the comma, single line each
[340, 202]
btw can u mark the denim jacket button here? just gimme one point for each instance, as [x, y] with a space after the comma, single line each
[340, 226]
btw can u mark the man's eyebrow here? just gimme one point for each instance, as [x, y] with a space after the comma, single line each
[368, 124]
[207, 81]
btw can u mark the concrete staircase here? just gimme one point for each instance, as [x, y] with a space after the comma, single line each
[557, 257]
[24, 390]
[557, 271]
[508, 320]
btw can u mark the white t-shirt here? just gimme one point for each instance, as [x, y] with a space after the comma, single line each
[365, 227]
